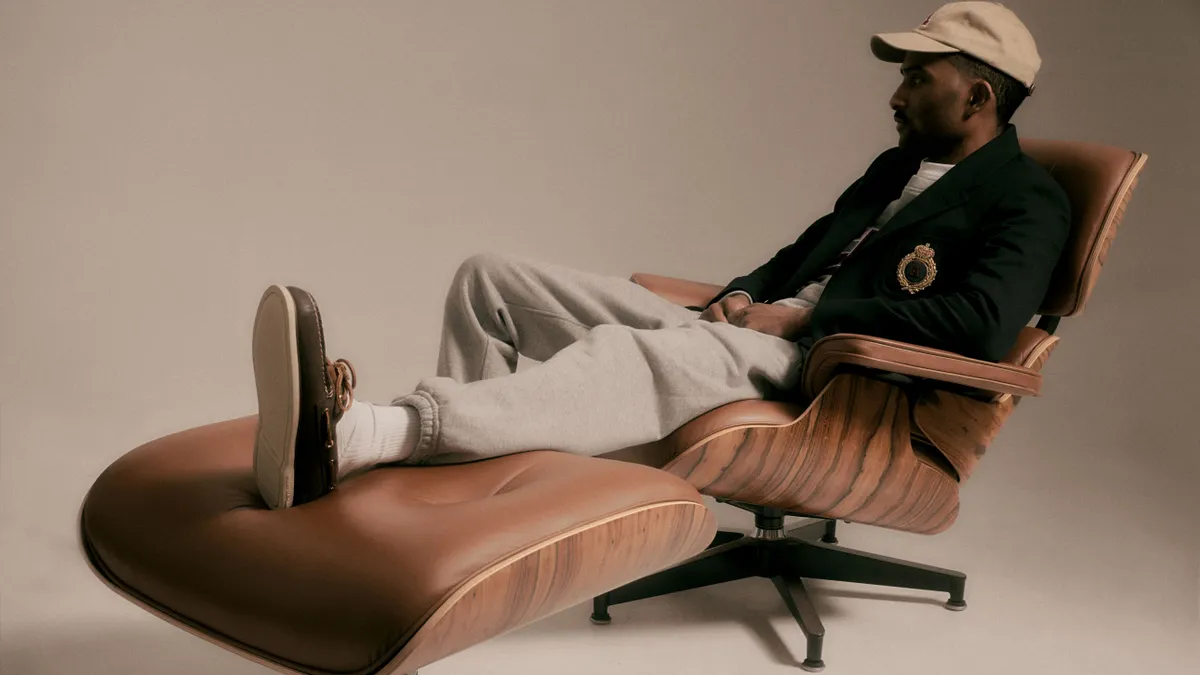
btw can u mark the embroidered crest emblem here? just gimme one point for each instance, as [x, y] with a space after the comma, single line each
[917, 269]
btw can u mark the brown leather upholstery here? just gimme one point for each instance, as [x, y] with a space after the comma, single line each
[1099, 180]
[397, 568]
[739, 414]
[1031, 349]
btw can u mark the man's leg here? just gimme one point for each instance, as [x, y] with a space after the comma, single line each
[617, 387]
[647, 367]
[499, 306]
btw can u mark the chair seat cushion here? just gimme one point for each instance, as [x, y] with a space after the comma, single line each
[397, 568]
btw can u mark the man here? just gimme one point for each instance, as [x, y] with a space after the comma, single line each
[948, 240]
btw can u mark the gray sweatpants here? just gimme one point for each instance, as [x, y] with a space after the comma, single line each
[618, 365]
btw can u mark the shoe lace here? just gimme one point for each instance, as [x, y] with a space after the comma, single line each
[344, 379]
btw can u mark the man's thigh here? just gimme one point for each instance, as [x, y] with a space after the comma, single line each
[589, 299]
[701, 359]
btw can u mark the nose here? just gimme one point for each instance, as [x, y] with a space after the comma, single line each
[897, 102]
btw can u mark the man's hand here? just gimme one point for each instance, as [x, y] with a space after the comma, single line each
[718, 312]
[778, 320]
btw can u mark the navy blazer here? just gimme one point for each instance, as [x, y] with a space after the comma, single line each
[996, 223]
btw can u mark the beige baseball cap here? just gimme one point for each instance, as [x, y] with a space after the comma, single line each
[987, 31]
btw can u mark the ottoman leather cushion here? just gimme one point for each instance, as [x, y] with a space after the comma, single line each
[399, 567]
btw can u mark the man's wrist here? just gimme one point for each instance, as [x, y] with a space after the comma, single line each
[730, 294]
[799, 322]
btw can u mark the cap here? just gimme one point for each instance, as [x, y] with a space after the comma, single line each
[987, 31]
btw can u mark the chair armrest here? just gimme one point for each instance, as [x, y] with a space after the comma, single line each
[679, 291]
[831, 353]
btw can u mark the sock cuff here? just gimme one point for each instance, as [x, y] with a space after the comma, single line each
[427, 412]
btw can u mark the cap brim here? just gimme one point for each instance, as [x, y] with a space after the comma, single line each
[892, 47]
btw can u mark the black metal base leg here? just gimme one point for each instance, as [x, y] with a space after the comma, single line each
[830, 532]
[956, 602]
[600, 615]
[816, 560]
[795, 595]
[786, 557]
[719, 564]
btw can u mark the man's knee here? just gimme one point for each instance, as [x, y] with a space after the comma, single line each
[475, 272]
[476, 268]
[484, 264]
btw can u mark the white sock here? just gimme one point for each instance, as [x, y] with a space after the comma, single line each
[370, 434]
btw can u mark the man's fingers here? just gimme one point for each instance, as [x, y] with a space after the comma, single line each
[718, 313]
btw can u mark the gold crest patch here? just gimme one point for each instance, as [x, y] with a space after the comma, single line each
[917, 269]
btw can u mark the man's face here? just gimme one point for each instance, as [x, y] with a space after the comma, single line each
[929, 104]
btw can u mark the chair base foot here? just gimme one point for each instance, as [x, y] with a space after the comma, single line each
[812, 666]
[955, 605]
[600, 619]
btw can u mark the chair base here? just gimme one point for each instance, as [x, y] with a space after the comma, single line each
[787, 558]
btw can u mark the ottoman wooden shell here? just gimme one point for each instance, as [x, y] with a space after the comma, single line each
[396, 569]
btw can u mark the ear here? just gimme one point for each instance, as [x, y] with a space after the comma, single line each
[978, 96]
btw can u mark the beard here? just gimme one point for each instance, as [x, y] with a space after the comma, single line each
[923, 144]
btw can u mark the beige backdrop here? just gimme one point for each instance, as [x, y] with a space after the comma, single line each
[161, 162]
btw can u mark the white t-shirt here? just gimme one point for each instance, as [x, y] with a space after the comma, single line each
[926, 175]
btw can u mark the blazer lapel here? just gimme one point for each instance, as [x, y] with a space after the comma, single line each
[941, 196]
[951, 189]
[879, 191]
[845, 229]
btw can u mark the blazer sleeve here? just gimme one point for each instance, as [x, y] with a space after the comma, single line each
[778, 269]
[981, 316]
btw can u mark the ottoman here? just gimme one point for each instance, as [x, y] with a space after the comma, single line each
[397, 568]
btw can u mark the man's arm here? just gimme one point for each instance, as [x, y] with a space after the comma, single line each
[779, 268]
[1023, 237]
[733, 292]
[774, 271]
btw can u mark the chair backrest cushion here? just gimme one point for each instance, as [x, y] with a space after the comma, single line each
[1099, 180]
